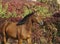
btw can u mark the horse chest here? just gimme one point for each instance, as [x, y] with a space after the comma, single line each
[25, 33]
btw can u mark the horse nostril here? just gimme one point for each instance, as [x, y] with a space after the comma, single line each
[41, 23]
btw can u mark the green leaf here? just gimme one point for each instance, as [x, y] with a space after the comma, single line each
[14, 14]
[0, 7]
[27, 11]
[5, 7]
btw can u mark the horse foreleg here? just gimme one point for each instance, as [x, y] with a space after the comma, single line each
[20, 41]
[29, 41]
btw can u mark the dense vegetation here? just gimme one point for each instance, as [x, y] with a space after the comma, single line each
[16, 9]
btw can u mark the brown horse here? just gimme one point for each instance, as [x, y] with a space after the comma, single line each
[21, 30]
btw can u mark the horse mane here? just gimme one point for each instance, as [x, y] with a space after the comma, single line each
[20, 22]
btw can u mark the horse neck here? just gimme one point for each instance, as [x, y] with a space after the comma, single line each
[29, 24]
[29, 21]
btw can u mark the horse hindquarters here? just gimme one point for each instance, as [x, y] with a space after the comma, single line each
[11, 30]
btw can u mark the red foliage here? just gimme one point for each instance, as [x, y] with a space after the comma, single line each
[17, 5]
